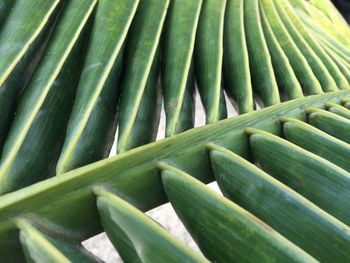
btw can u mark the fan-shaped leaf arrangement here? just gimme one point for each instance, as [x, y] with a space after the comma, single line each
[72, 71]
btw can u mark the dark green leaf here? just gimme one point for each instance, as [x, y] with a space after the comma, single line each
[92, 125]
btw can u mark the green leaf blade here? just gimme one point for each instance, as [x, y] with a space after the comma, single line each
[296, 218]
[177, 71]
[209, 59]
[24, 35]
[35, 137]
[307, 79]
[319, 69]
[330, 66]
[317, 142]
[338, 109]
[236, 69]
[39, 247]
[140, 101]
[262, 73]
[317, 179]
[288, 83]
[224, 231]
[330, 123]
[92, 125]
[137, 237]
[18, 37]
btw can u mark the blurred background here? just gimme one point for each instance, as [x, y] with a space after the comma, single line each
[344, 7]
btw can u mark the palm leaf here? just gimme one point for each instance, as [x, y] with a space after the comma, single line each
[126, 226]
[51, 88]
[25, 30]
[262, 74]
[138, 169]
[300, 220]
[140, 108]
[178, 74]
[92, 123]
[72, 71]
[38, 247]
[209, 59]
[237, 81]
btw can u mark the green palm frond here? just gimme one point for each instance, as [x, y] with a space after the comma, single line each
[286, 140]
[73, 71]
